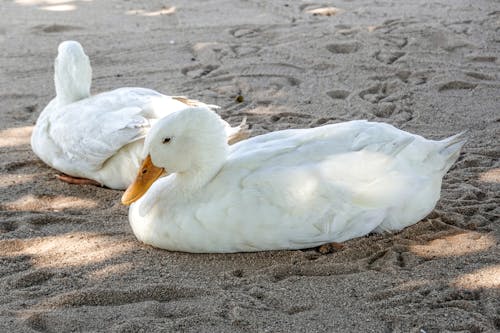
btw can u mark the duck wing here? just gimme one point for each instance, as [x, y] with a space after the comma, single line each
[88, 132]
[332, 183]
[87, 139]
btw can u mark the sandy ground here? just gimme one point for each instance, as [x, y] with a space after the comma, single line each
[69, 261]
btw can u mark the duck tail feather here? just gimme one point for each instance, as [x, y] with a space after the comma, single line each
[240, 132]
[451, 148]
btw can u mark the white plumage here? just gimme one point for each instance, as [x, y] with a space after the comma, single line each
[289, 189]
[100, 137]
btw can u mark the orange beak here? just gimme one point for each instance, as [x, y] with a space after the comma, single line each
[146, 176]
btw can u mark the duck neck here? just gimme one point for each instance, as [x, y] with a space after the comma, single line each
[202, 172]
[72, 81]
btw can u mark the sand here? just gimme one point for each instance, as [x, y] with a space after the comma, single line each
[69, 260]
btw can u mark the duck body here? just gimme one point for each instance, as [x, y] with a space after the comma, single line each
[99, 137]
[295, 189]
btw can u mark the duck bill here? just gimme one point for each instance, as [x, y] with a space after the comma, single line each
[146, 176]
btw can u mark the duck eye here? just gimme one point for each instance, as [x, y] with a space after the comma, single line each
[166, 140]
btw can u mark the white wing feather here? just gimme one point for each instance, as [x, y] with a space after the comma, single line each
[333, 177]
[90, 131]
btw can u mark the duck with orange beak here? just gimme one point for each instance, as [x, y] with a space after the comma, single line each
[288, 189]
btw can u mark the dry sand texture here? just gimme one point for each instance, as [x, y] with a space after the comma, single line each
[69, 261]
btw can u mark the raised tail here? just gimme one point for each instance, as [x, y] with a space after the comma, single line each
[238, 133]
[450, 149]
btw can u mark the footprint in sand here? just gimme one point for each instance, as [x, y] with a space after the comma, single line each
[343, 48]
[396, 257]
[289, 117]
[394, 41]
[388, 98]
[198, 71]
[244, 50]
[388, 57]
[482, 58]
[52, 28]
[246, 32]
[286, 74]
[456, 85]
[480, 76]
[374, 93]
[384, 109]
[338, 94]
[431, 296]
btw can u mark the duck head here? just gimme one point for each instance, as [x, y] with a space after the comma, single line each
[72, 73]
[191, 143]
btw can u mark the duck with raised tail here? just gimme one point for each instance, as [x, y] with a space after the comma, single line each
[289, 189]
[99, 138]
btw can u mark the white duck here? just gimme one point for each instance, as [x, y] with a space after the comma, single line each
[289, 189]
[100, 137]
